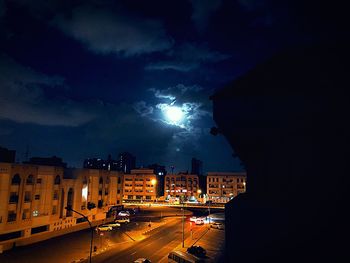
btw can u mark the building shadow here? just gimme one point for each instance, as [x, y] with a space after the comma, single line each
[287, 120]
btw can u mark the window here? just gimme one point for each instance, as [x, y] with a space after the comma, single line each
[54, 210]
[27, 197]
[100, 180]
[118, 191]
[26, 214]
[57, 179]
[55, 195]
[119, 180]
[38, 181]
[30, 179]
[13, 198]
[16, 180]
[37, 197]
[11, 216]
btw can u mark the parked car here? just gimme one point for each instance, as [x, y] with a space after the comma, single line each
[198, 251]
[114, 225]
[217, 225]
[199, 221]
[142, 260]
[193, 218]
[122, 220]
[104, 228]
[124, 213]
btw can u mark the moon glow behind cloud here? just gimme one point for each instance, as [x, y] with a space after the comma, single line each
[174, 114]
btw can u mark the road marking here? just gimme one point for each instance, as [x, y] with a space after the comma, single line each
[133, 253]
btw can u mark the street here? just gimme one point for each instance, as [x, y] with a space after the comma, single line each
[127, 243]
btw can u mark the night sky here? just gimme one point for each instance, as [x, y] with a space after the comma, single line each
[85, 79]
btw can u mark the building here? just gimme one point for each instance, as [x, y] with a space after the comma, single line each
[126, 162]
[34, 197]
[7, 156]
[177, 185]
[286, 119]
[222, 187]
[196, 167]
[160, 172]
[140, 185]
[50, 161]
[101, 164]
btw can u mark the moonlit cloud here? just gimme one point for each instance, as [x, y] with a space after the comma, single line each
[103, 31]
[187, 57]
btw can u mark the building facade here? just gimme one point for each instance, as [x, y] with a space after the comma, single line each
[140, 184]
[222, 187]
[177, 185]
[34, 199]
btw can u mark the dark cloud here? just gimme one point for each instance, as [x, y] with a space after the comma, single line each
[105, 32]
[187, 57]
[22, 97]
[202, 10]
[142, 108]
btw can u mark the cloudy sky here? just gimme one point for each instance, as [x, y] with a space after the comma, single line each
[85, 79]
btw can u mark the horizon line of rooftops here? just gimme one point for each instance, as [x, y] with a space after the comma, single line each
[125, 164]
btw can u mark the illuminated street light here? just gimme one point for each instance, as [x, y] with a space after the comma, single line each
[153, 181]
[199, 191]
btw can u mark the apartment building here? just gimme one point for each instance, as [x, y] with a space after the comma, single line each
[140, 184]
[34, 199]
[177, 185]
[222, 187]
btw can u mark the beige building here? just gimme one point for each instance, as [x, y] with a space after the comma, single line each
[33, 199]
[177, 185]
[222, 187]
[140, 184]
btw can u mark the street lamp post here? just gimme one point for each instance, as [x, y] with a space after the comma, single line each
[183, 224]
[69, 208]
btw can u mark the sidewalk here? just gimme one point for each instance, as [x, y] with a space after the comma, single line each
[212, 240]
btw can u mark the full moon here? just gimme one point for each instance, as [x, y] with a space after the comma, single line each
[174, 114]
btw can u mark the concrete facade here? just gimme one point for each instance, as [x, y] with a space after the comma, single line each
[181, 184]
[140, 184]
[222, 187]
[33, 200]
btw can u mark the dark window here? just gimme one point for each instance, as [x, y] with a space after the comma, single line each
[13, 198]
[54, 210]
[118, 191]
[11, 235]
[39, 229]
[37, 197]
[11, 216]
[101, 180]
[16, 180]
[27, 196]
[57, 179]
[119, 180]
[55, 195]
[38, 181]
[30, 179]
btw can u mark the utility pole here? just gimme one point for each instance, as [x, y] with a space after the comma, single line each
[209, 214]
[69, 208]
[183, 224]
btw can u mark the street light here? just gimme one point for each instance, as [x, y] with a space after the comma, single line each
[69, 208]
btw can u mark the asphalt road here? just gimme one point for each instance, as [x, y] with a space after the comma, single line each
[157, 246]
